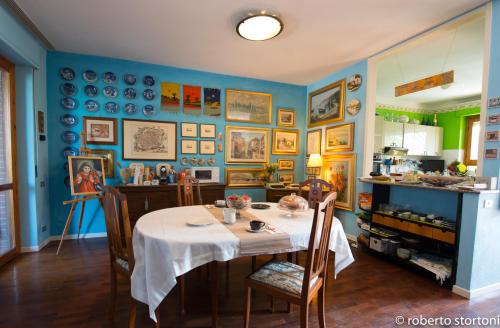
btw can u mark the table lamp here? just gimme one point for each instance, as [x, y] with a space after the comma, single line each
[315, 161]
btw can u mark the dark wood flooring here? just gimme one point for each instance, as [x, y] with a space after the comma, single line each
[71, 290]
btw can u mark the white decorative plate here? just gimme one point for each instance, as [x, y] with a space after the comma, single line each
[200, 222]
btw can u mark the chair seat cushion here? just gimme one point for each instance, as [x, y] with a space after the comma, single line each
[122, 263]
[282, 275]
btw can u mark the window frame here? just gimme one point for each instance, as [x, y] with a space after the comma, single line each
[470, 120]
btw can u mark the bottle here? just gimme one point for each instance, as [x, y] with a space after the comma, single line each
[435, 119]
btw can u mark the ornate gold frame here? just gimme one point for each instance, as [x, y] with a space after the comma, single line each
[349, 206]
[275, 151]
[351, 148]
[228, 160]
[286, 160]
[286, 110]
[340, 83]
[239, 169]
[269, 111]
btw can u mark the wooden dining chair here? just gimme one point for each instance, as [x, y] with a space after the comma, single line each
[293, 283]
[313, 189]
[121, 253]
[185, 191]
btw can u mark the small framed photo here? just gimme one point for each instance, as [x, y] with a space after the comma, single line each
[100, 130]
[189, 146]
[86, 175]
[491, 153]
[494, 119]
[207, 147]
[492, 135]
[207, 130]
[286, 117]
[286, 164]
[189, 130]
[286, 178]
[108, 156]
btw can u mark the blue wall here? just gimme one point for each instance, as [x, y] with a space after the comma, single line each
[284, 95]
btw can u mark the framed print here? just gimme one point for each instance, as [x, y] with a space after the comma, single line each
[86, 175]
[340, 171]
[207, 130]
[491, 153]
[492, 135]
[286, 178]
[149, 140]
[211, 102]
[189, 146]
[192, 99]
[494, 119]
[207, 147]
[247, 145]
[108, 156]
[170, 97]
[285, 142]
[326, 105]
[100, 130]
[244, 177]
[248, 106]
[339, 138]
[286, 164]
[286, 117]
[313, 145]
[189, 130]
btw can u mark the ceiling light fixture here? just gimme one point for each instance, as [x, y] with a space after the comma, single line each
[259, 27]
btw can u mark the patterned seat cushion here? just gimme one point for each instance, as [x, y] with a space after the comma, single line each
[283, 275]
[122, 263]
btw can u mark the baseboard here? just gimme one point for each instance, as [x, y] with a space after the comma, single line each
[469, 294]
[38, 248]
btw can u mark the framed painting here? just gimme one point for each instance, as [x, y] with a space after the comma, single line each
[244, 177]
[246, 145]
[207, 130]
[286, 164]
[248, 106]
[149, 140]
[192, 99]
[313, 145]
[207, 147]
[211, 101]
[285, 142]
[100, 130]
[340, 171]
[189, 146]
[189, 130]
[170, 97]
[108, 156]
[86, 174]
[326, 105]
[339, 138]
[286, 117]
[286, 178]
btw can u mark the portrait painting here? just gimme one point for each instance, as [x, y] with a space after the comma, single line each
[340, 171]
[192, 99]
[211, 102]
[99, 130]
[149, 140]
[247, 145]
[170, 97]
[285, 142]
[244, 177]
[248, 106]
[86, 175]
[326, 105]
[339, 138]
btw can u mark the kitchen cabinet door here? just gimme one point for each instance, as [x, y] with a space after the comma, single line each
[379, 134]
[415, 139]
[393, 134]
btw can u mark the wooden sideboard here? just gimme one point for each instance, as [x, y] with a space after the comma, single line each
[145, 199]
[273, 195]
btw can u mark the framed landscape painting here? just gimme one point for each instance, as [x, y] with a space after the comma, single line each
[192, 99]
[285, 142]
[211, 99]
[246, 145]
[326, 105]
[170, 97]
[339, 138]
[286, 164]
[100, 131]
[248, 106]
[286, 117]
[244, 177]
[340, 171]
[86, 174]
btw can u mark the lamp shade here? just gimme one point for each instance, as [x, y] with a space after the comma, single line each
[315, 161]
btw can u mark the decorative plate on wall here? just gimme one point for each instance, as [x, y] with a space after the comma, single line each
[110, 92]
[70, 137]
[69, 103]
[201, 161]
[129, 93]
[68, 89]
[149, 94]
[148, 110]
[69, 120]
[70, 151]
[91, 91]
[354, 106]
[184, 161]
[91, 105]
[130, 109]
[112, 107]
[193, 161]
[211, 161]
[67, 74]
[90, 76]
[129, 79]
[148, 80]
[109, 77]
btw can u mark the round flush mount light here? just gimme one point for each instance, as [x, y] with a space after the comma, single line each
[259, 27]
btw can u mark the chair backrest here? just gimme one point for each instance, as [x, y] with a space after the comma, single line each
[118, 226]
[185, 191]
[317, 258]
[315, 192]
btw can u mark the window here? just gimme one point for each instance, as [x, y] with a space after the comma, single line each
[471, 153]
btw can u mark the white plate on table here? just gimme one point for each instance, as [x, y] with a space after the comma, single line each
[256, 231]
[200, 222]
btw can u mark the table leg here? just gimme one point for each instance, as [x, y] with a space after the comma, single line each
[213, 278]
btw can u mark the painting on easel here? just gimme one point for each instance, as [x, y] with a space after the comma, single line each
[86, 175]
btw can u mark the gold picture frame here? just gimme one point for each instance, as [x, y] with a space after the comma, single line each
[285, 142]
[248, 106]
[286, 164]
[247, 145]
[108, 156]
[286, 178]
[326, 105]
[340, 171]
[244, 177]
[339, 138]
[83, 181]
[313, 143]
[286, 117]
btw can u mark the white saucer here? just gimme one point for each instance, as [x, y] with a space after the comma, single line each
[200, 222]
[256, 231]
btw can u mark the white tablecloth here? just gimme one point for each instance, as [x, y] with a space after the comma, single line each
[165, 247]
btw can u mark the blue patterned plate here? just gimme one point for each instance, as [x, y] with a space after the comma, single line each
[149, 94]
[92, 105]
[148, 80]
[70, 137]
[109, 77]
[149, 110]
[68, 89]
[110, 92]
[129, 79]
[68, 120]
[67, 74]
[69, 103]
[70, 151]
[130, 109]
[129, 93]
[91, 91]
[90, 76]
[112, 107]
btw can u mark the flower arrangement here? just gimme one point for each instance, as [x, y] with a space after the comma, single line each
[457, 168]
[269, 171]
[239, 203]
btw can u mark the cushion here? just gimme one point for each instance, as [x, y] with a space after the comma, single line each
[122, 263]
[283, 275]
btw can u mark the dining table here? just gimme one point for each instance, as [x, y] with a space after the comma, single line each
[170, 242]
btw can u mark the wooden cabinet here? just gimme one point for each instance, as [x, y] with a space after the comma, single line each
[274, 195]
[145, 199]
[393, 134]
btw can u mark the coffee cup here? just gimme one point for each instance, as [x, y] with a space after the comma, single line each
[256, 225]
[229, 215]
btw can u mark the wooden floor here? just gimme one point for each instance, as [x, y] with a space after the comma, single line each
[71, 290]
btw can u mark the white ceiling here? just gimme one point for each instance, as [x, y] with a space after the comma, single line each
[319, 37]
[457, 47]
